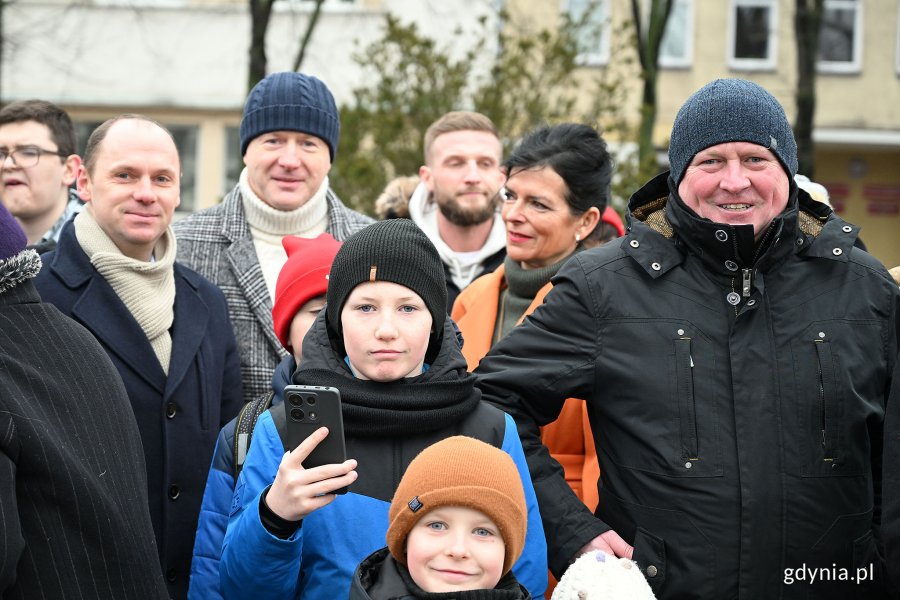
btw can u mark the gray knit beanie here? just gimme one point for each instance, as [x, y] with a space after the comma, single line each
[291, 101]
[730, 110]
[395, 250]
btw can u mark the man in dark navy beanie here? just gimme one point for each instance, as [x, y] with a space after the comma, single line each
[735, 353]
[289, 139]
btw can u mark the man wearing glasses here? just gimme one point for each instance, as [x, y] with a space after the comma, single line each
[38, 166]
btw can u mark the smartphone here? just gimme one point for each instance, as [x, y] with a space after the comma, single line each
[308, 407]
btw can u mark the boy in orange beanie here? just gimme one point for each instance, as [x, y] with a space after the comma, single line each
[457, 524]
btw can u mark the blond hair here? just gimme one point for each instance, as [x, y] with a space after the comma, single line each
[458, 120]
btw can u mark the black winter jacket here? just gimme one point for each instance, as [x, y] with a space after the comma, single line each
[737, 401]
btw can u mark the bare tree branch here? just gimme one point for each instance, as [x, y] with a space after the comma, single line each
[307, 35]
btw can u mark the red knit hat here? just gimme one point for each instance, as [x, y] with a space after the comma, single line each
[303, 277]
[612, 217]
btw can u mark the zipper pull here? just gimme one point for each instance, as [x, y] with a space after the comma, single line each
[747, 280]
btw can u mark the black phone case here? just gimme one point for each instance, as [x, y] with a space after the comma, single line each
[307, 408]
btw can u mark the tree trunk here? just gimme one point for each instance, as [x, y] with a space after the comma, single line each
[260, 11]
[648, 42]
[807, 21]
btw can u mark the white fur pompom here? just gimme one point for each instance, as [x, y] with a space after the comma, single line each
[599, 576]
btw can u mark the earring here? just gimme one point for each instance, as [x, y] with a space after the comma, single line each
[577, 237]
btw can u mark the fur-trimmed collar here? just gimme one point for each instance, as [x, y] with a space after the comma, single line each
[16, 269]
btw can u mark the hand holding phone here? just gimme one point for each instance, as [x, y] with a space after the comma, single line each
[316, 466]
[298, 491]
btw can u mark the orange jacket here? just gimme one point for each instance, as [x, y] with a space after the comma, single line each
[569, 438]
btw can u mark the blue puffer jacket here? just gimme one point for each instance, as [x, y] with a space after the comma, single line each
[204, 584]
[319, 559]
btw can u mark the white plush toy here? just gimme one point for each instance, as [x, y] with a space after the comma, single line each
[599, 576]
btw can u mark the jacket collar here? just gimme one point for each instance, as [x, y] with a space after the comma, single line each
[661, 230]
[100, 310]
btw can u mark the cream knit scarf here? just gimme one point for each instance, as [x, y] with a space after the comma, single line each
[268, 225]
[146, 288]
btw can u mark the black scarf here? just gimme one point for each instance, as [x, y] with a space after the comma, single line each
[442, 395]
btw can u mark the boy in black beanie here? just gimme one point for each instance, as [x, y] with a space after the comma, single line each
[385, 341]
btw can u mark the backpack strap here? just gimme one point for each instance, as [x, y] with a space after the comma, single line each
[243, 430]
[279, 419]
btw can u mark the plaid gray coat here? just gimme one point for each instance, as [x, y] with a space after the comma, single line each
[216, 243]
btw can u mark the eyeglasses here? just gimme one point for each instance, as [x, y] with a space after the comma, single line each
[26, 156]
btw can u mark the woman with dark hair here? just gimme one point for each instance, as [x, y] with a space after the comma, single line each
[557, 186]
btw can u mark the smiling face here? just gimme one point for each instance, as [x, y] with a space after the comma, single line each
[540, 226]
[133, 186]
[386, 331]
[452, 549]
[285, 168]
[463, 175]
[738, 183]
[34, 192]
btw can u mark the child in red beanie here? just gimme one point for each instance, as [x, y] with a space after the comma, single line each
[299, 297]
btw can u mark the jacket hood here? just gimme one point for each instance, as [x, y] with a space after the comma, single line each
[444, 393]
[661, 229]
[320, 351]
[18, 268]
[423, 213]
[282, 378]
[378, 577]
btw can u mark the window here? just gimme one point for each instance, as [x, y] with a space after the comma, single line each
[840, 37]
[234, 162]
[591, 20]
[898, 38]
[752, 34]
[677, 47]
[186, 142]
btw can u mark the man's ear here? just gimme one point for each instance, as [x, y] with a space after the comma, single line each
[426, 178]
[71, 167]
[84, 183]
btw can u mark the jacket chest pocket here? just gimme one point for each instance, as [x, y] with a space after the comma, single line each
[834, 372]
[660, 415]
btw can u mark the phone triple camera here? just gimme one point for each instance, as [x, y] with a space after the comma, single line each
[303, 407]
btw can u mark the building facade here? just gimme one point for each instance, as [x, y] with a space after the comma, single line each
[184, 62]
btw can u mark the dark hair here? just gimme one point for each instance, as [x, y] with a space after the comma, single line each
[62, 132]
[99, 134]
[576, 153]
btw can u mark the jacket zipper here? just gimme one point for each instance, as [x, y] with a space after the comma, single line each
[823, 403]
[821, 398]
[747, 274]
